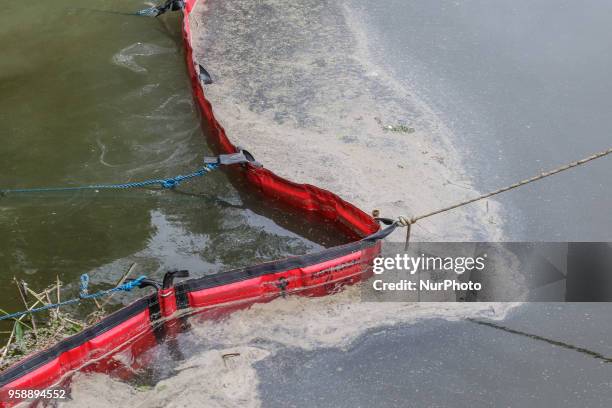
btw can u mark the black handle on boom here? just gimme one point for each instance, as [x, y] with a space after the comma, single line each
[170, 275]
[167, 281]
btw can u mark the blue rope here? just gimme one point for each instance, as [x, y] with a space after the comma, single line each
[83, 285]
[126, 287]
[167, 183]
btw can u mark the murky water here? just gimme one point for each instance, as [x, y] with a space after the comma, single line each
[297, 84]
[215, 229]
[524, 86]
[218, 361]
[437, 363]
[96, 97]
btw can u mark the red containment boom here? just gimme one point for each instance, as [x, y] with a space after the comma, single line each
[141, 325]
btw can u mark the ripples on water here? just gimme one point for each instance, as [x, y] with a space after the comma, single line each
[95, 97]
[214, 364]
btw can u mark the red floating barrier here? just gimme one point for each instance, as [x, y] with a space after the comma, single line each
[141, 325]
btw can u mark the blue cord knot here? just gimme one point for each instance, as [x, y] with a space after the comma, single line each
[128, 286]
[83, 295]
[170, 183]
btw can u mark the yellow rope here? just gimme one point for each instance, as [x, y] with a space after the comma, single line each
[408, 221]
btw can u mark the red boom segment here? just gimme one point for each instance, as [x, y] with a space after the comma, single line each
[130, 328]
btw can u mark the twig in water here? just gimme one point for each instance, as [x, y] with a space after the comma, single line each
[22, 286]
[120, 282]
[58, 285]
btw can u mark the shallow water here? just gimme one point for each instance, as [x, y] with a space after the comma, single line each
[92, 97]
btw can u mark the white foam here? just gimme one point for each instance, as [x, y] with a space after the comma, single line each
[295, 85]
[127, 56]
[248, 336]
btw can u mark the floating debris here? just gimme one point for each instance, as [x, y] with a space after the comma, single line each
[30, 334]
[401, 128]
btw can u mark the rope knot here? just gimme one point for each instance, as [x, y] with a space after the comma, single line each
[128, 286]
[405, 221]
[170, 183]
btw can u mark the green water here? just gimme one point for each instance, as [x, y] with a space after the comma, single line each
[92, 97]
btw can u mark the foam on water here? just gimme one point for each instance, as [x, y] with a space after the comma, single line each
[127, 56]
[295, 84]
[219, 370]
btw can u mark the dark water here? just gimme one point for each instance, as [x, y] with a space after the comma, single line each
[92, 97]
[524, 86]
[463, 61]
[437, 363]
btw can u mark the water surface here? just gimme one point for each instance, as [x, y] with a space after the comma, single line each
[93, 97]
[524, 86]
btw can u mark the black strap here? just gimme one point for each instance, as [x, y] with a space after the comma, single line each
[180, 294]
[240, 157]
[156, 11]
